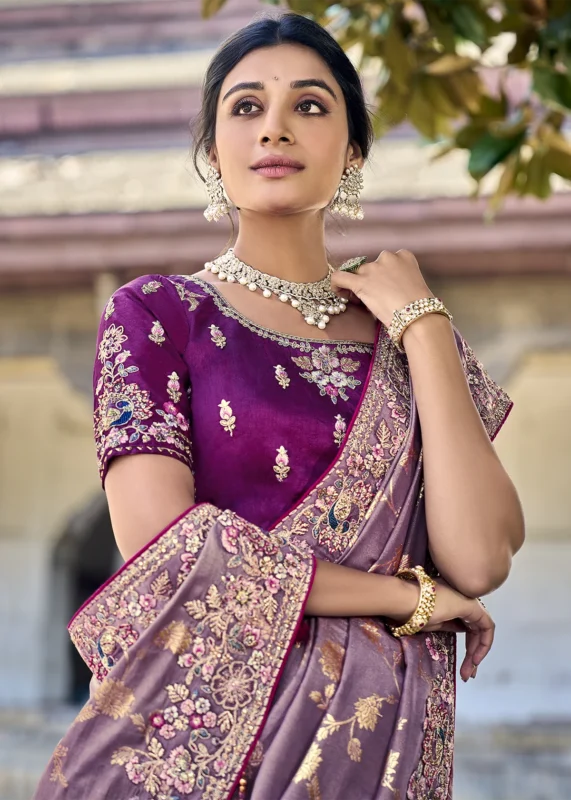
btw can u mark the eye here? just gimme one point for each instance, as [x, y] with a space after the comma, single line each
[305, 105]
[244, 104]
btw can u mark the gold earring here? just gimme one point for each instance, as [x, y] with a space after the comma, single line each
[219, 204]
[346, 199]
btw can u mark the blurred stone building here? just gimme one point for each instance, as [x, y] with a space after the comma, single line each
[97, 187]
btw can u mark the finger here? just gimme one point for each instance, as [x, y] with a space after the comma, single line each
[472, 642]
[345, 280]
[406, 255]
[486, 639]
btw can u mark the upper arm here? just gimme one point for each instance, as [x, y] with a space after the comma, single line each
[141, 396]
[145, 494]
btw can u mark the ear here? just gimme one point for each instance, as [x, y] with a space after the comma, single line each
[213, 158]
[354, 156]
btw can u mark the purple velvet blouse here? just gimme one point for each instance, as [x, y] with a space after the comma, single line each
[258, 416]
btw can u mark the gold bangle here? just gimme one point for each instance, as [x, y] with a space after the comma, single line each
[406, 316]
[426, 602]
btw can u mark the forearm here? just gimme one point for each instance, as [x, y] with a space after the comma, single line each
[473, 514]
[339, 591]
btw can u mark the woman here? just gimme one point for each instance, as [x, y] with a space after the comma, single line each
[295, 456]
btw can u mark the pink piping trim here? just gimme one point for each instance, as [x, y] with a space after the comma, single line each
[351, 425]
[506, 415]
[130, 560]
[275, 686]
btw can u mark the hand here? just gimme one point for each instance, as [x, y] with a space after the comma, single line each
[455, 612]
[385, 285]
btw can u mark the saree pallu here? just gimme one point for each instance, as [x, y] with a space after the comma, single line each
[206, 670]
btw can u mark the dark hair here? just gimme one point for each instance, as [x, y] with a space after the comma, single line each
[289, 28]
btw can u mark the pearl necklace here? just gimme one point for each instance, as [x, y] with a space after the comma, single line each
[316, 301]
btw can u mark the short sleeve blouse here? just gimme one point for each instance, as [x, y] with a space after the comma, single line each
[257, 416]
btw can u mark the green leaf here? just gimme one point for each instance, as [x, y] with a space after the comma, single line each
[490, 150]
[538, 175]
[552, 86]
[210, 7]
[469, 24]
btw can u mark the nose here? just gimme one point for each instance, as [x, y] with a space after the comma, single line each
[274, 129]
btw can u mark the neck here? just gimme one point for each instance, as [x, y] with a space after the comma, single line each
[290, 247]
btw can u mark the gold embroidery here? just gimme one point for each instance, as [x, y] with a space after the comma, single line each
[390, 770]
[217, 336]
[227, 418]
[109, 308]
[151, 286]
[220, 699]
[339, 430]
[57, 760]
[309, 764]
[304, 344]
[282, 376]
[111, 698]
[401, 723]
[157, 334]
[331, 660]
[122, 408]
[336, 508]
[176, 637]
[329, 372]
[313, 789]
[434, 770]
[281, 467]
[491, 401]
[187, 296]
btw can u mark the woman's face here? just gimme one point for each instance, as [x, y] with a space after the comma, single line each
[274, 115]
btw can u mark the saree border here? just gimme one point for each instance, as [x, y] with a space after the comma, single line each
[388, 383]
[133, 558]
[206, 526]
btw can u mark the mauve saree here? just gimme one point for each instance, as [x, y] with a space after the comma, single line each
[205, 669]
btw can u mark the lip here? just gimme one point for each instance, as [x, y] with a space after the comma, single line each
[275, 164]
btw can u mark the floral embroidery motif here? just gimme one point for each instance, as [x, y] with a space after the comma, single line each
[340, 430]
[186, 295]
[491, 400]
[56, 774]
[217, 336]
[173, 387]
[109, 308]
[151, 286]
[367, 713]
[281, 467]
[434, 771]
[227, 418]
[390, 770]
[337, 507]
[123, 408]
[157, 334]
[329, 372]
[282, 376]
[228, 645]
[111, 342]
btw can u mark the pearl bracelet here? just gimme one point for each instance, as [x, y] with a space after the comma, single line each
[410, 313]
[426, 602]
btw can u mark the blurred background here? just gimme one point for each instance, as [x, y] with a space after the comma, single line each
[96, 187]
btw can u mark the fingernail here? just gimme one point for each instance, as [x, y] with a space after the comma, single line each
[474, 672]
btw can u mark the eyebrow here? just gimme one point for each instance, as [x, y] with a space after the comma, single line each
[303, 84]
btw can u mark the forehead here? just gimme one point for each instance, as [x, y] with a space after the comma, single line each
[279, 66]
